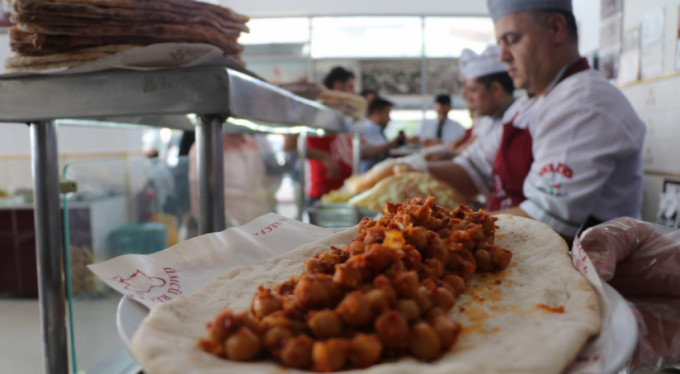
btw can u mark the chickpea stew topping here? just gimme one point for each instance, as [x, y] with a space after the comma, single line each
[383, 296]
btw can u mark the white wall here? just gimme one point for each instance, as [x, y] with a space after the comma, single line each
[657, 102]
[587, 13]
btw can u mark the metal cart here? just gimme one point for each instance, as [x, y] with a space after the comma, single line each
[161, 98]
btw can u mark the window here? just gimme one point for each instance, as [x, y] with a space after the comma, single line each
[366, 37]
[448, 36]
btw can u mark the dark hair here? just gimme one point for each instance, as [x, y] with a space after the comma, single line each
[540, 16]
[338, 73]
[502, 78]
[368, 91]
[378, 104]
[443, 99]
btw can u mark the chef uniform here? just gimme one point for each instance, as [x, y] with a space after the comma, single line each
[572, 155]
[478, 158]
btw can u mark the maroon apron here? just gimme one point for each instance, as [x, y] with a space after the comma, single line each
[514, 159]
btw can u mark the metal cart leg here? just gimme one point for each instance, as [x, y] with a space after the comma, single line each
[356, 154]
[302, 164]
[48, 246]
[210, 166]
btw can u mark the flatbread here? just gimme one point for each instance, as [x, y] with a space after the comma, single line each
[399, 188]
[164, 5]
[127, 17]
[88, 54]
[511, 319]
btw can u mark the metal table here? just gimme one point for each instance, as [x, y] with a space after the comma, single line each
[154, 98]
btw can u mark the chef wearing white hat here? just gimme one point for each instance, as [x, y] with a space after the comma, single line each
[571, 154]
[577, 141]
[489, 89]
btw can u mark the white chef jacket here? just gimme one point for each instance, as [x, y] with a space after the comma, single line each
[587, 149]
[478, 158]
[451, 130]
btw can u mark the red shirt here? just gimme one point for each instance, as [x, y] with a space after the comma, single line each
[340, 149]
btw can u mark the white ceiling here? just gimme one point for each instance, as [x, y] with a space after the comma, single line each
[286, 8]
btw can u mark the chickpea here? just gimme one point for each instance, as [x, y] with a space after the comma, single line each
[412, 258]
[325, 324]
[501, 257]
[348, 275]
[274, 338]
[315, 291]
[409, 309]
[278, 319]
[417, 237]
[423, 342]
[212, 347]
[330, 355]
[378, 301]
[222, 326]
[406, 284]
[456, 282]
[285, 288]
[355, 310]
[442, 298]
[447, 329]
[483, 259]
[365, 350]
[424, 299]
[247, 319]
[265, 303]
[434, 313]
[380, 257]
[243, 345]
[435, 267]
[392, 329]
[382, 283]
[312, 266]
[297, 352]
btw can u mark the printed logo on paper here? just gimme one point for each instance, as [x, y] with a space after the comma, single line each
[155, 287]
[270, 228]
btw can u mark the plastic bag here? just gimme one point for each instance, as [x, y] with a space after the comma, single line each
[642, 262]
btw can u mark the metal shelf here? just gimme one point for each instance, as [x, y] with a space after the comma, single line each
[161, 98]
[154, 97]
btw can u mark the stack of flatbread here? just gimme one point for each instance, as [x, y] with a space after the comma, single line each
[61, 33]
[347, 103]
[400, 188]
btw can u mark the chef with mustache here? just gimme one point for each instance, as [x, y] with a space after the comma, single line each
[571, 153]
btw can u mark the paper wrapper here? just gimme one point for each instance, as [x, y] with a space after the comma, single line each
[185, 267]
[151, 57]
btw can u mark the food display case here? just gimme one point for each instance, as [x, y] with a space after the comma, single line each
[160, 98]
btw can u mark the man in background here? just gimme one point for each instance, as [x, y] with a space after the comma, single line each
[374, 144]
[441, 129]
[330, 157]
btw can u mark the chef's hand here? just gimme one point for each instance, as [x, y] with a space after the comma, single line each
[401, 168]
[642, 261]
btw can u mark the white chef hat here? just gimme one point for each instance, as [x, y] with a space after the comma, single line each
[473, 65]
[500, 8]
